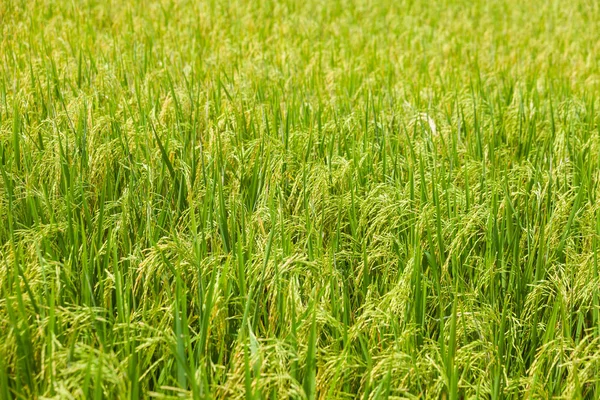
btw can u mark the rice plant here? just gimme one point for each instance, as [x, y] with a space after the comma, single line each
[318, 199]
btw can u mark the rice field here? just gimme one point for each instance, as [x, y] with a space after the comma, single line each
[318, 199]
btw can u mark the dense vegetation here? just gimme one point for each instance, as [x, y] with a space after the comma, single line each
[299, 199]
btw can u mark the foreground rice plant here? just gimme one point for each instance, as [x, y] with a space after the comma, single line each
[299, 199]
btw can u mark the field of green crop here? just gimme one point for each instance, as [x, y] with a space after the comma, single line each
[317, 199]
